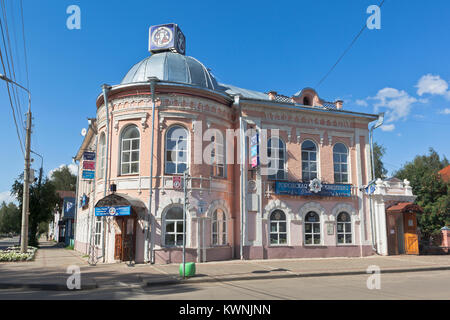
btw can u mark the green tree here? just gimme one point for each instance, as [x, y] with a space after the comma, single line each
[433, 194]
[10, 218]
[43, 198]
[63, 179]
[378, 153]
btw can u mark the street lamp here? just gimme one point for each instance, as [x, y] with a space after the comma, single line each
[26, 178]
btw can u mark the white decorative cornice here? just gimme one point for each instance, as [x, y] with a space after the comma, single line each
[277, 205]
[312, 206]
[131, 116]
[332, 134]
[314, 131]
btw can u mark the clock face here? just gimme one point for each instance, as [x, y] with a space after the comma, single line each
[162, 36]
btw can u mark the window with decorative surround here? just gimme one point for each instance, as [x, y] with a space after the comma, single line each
[98, 231]
[173, 222]
[309, 160]
[102, 157]
[344, 228]
[340, 157]
[278, 230]
[312, 228]
[176, 150]
[219, 228]
[217, 156]
[276, 152]
[129, 155]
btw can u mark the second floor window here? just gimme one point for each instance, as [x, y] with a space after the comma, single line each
[309, 160]
[130, 145]
[340, 163]
[217, 156]
[102, 157]
[176, 150]
[276, 152]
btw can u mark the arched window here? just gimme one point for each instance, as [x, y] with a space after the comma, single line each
[306, 101]
[217, 155]
[340, 156]
[129, 155]
[312, 228]
[102, 155]
[278, 233]
[176, 150]
[174, 227]
[309, 160]
[344, 228]
[276, 152]
[219, 228]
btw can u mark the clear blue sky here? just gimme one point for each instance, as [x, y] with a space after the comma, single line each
[260, 45]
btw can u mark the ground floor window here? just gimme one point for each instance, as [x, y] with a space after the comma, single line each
[98, 231]
[219, 228]
[174, 227]
[278, 234]
[312, 228]
[344, 228]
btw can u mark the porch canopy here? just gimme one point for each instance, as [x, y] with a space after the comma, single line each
[403, 207]
[117, 204]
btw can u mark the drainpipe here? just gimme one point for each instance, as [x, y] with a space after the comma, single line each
[376, 125]
[106, 88]
[149, 219]
[242, 156]
[76, 201]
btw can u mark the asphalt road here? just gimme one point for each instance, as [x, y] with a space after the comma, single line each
[8, 242]
[410, 285]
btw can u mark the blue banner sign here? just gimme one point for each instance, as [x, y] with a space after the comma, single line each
[254, 150]
[88, 174]
[113, 211]
[89, 155]
[303, 189]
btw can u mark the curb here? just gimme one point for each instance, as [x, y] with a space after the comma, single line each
[283, 276]
[46, 286]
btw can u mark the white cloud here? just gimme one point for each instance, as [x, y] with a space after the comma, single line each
[5, 196]
[73, 168]
[397, 102]
[432, 84]
[361, 103]
[445, 111]
[388, 127]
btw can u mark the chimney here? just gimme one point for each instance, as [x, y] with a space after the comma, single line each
[339, 104]
[272, 95]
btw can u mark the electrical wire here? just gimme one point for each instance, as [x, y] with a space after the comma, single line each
[346, 50]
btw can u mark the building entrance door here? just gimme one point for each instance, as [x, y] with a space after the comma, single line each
[125, 241]
[393, 231]
[411, 238]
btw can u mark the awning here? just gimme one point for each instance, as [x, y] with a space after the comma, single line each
[117, 204]
[404, 207]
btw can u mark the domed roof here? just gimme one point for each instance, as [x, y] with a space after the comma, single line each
[172, 67]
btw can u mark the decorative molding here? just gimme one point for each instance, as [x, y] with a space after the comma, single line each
[311, 206]
[340, 207]
[131, 116]
[311, 131]
[218, 204]
[277, 205]
[350, 135]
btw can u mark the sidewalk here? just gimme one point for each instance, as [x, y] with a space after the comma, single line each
[48, 270]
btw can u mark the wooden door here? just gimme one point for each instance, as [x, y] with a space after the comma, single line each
[118, 247]
[411, 238]
[392, 230]
[129, 239]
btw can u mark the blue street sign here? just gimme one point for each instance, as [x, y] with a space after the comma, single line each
[113, 211]
[88, 155]
[88, 174]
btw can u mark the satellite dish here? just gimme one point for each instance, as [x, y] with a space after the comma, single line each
[83, 132]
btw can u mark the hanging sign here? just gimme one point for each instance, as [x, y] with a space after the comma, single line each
[88, 175]
[113, 211]
[88, 155]
[254, 151]
[176, 180]
[89, 165]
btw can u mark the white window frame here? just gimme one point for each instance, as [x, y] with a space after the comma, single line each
[175, 233]
[98, 231]
[312, 233]
[102, 151]
[221, 229]
[279, 159]
[340, 163]
[309, 162]
[278, 232]
[130, 150]
[344, 232]
[218, 159]
[176, 150]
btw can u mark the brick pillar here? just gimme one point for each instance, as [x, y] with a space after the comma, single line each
[445, 237]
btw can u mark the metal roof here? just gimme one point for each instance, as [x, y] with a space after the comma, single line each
[173, 67]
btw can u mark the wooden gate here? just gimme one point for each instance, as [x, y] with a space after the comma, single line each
[411, 238]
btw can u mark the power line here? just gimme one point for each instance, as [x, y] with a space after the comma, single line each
[346, 50]
[24, 46]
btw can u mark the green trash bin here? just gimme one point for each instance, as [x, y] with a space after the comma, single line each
[189, 269]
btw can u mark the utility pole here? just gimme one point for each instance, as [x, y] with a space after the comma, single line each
[26, 188]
